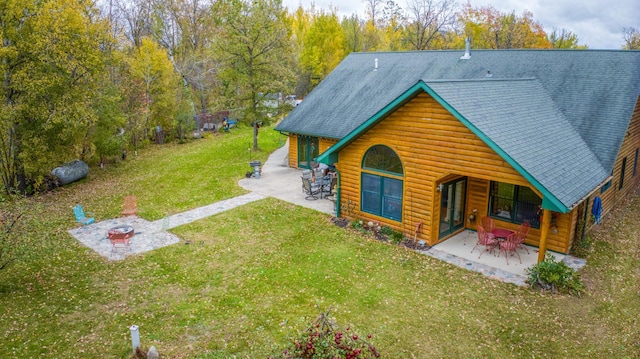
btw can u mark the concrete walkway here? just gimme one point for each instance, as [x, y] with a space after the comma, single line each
[280, 181]
[277, 180]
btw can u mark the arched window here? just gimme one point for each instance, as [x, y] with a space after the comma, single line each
[382, 181]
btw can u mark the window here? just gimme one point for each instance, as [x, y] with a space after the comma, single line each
[635, 163]
[512, 203]
[382, 158]
[624, 167]
[606, 186]
[381, 192]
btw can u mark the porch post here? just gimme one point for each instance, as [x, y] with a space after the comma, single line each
[544, 231]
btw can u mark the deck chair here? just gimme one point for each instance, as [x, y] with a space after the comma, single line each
[510, 245]
[306, 174]
[80, 217]
[485, 239]
[521, 233]
[130, 206]
[310, 189]
[487, 224]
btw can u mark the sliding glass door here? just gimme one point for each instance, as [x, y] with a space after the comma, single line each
[307, 151]
[452, 202]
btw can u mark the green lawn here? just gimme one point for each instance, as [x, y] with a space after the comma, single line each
[252, 277]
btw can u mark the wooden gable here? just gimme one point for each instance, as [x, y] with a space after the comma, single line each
[434, 146]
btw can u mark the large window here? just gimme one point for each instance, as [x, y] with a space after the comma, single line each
[512, 203]
[382, 183]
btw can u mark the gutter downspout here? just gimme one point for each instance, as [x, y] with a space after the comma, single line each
[338, 194]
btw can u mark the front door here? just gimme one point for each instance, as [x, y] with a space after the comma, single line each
[307, 151]
[452, 201]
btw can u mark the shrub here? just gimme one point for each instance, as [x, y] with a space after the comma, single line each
[358, 224]
[397, 237]
[324, 340]
[555, 276]
[386, 230]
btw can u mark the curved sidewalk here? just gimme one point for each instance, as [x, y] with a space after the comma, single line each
[280, 181]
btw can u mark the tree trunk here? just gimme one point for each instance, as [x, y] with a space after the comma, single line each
[255, 135]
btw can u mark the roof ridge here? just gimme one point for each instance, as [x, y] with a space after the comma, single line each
[503, 79]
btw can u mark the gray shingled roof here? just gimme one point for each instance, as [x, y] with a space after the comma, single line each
[594, 91]
[519, 117]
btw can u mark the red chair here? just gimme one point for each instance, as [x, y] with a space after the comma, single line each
[521, 233]
[510, 245]
[485, 239]
[487, 223]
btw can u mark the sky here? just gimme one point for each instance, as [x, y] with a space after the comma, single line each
[597, 23]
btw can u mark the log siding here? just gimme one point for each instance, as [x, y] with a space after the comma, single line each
[434, 147]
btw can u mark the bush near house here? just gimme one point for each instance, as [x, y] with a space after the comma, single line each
[555, 276]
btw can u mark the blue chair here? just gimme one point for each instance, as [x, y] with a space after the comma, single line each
[80, 217]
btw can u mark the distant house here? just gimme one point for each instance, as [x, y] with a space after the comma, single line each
[435, 137]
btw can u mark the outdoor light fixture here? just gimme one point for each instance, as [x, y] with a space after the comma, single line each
[472, 216]
[440, 187]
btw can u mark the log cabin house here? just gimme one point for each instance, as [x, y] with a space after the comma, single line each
[436, 140]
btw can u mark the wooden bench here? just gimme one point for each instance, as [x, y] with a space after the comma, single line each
[130, 206]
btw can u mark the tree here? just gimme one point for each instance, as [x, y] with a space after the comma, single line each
[374, 10]
[256, 46]
[631, 38]
[427, 20]
[491, 29]
[186, 28]
[564, 39]
[324, 46]
[353, 36]
[107, 135]
[52, 65]
[150, 65]
[132, 18]
[300, 22]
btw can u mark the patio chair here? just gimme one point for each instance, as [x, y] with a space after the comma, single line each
[310, 189]
[306, 174]
[487, 224]
[510, 245]
[521, 233]
[130, 206]
[80, 217]
[485, 239]
[328, 184]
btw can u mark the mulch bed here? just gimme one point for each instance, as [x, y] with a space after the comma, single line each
[406, 242]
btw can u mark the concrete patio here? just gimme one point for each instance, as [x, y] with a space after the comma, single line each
[457, 250]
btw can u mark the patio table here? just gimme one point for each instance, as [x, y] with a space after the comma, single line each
[502, 233]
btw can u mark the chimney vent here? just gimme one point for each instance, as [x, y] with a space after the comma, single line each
[467, 50]
[375, 64]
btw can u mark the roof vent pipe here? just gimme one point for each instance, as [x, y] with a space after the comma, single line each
[375, 64]
[467, 49]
